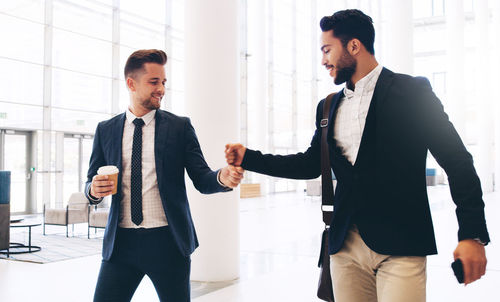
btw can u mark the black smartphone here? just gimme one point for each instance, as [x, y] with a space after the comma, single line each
[458, 269]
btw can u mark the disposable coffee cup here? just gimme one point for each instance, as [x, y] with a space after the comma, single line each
[112, 173]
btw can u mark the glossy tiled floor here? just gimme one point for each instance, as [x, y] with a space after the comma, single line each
[279, 249]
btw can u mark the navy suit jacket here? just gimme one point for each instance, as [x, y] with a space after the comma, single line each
[176, 148]
[384, 193]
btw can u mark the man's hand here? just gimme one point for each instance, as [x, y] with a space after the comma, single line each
[235, 154]
[231, 176]
[101, 186]
[473, 257]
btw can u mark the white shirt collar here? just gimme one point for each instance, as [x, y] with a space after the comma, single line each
[147, 118]
[368, 82]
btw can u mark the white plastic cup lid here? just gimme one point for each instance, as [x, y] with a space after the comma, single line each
[107, 170]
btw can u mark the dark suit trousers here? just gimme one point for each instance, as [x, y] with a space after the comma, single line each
[140, 252]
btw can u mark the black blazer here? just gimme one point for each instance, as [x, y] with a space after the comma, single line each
[176, 149]
[384, 193]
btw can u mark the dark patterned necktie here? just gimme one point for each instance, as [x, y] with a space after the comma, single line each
[136, 175]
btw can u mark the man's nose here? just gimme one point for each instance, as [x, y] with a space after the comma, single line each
[161, 89]
[324, 61]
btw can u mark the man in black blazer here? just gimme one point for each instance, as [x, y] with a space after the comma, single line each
[380, 127]
[150, 230]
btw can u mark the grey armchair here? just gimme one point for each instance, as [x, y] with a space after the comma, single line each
[75, 212]
[5, 211]
[98, 218]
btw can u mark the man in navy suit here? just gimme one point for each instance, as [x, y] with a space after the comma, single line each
[150, 230]
[380, 128]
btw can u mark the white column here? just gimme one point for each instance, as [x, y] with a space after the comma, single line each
[485, 118]
[115, 63]
[212, 101]
[258, 81]
[455, 52]
[398, 33]
[495, 94]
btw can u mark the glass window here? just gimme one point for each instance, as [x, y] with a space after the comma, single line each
[21, 39]
[177, 14]
[70, 171]
[76, 120]
[438, 7]
[81, 53]
[87, 142]
[154, 10]
[21, 82]
[19, 116]
[27, 9]
[74, 90]
[139, 33]
[84, 17]
[15, 161]
[422, 8]
[124, 100]
[176, 79]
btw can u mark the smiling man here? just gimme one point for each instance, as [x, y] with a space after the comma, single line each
[150, 230]
[381, 126]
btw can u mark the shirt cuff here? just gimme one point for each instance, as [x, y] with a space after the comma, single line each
[92, 197]
[478, 240]
[220, 182]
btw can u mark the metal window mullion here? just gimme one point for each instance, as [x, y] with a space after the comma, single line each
[294, 77]
[314, 57]
[243, 10]
[80, 166]
[294, 146]
[270, 70]
[30, 197]
[167, 104]
[115, 59]
[47, 100]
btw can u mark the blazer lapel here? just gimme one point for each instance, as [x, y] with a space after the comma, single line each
[379, 94]
[117, 138]
[161, 134]
[333, 108]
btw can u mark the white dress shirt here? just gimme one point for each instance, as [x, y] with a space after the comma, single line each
[351, 114]
[152, 208]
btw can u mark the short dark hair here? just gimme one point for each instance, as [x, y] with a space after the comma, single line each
[138, 58]
[351, 24]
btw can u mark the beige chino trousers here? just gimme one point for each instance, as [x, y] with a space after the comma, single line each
[362, 275]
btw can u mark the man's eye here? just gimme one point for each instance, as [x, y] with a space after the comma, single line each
[326, 52]
[154, 83]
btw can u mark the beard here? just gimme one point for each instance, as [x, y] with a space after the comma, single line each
[151, 105]
[346, 67]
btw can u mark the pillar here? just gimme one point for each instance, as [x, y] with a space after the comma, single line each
[212, 102]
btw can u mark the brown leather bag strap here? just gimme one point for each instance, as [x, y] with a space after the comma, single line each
[326, 172]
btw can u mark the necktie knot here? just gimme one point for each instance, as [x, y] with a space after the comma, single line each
[138, 122]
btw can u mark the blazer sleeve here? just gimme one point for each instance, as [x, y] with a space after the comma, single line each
[204, 179]
[303, 165]
[449, 151]
[96, 160]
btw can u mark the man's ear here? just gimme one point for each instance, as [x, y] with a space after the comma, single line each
[354, 46]
[131, 84]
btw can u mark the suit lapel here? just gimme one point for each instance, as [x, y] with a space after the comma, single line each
[333, 108]
[379, 94]
[161, 134]
[117, 138]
